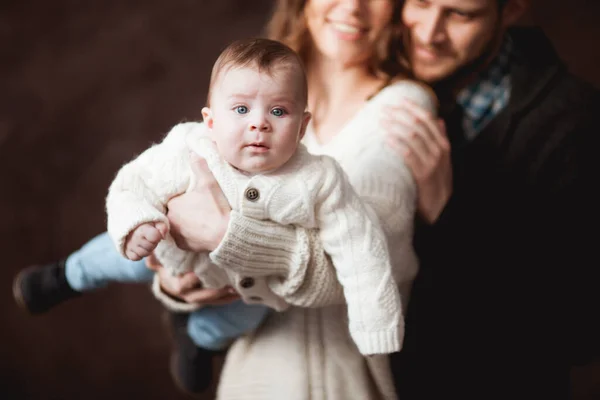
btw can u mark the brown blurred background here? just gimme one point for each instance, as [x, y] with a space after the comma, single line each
[85, 85]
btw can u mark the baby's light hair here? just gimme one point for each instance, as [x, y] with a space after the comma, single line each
[263, 54]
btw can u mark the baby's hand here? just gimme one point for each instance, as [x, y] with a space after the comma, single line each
[143, 240]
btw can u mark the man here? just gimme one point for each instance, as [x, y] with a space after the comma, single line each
[506, 296]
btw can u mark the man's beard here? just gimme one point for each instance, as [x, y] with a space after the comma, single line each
[466, 74]
[448, 87]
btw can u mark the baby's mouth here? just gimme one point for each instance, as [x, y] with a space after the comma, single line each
[258, 145]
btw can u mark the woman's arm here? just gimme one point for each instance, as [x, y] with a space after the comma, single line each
[293, 257]
[419, 137]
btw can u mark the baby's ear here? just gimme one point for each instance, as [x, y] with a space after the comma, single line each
[207, 117]
[305, 120]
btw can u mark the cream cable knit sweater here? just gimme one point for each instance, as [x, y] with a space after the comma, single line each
[306, 353]
[309, 191]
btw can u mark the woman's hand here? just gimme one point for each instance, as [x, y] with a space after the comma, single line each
[188, 288]
[421, 140]
[199, 217]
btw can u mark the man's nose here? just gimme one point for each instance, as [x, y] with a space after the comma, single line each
[431, 29]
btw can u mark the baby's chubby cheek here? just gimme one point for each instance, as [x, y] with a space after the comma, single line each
[234, 157]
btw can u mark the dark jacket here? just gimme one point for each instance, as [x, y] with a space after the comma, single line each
[507, 295]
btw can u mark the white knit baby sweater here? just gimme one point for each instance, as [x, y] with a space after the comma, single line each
[308, 191]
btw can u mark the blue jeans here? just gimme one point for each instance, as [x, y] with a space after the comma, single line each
[98, 263]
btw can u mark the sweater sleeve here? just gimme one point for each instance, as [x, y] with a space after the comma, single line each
[292, 257]
[383, 180]
[142, 187]
[355, 241]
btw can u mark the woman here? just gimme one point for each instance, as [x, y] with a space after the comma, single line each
[306, 352]
[349, 50]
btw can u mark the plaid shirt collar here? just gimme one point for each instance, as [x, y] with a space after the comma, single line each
[489, 94]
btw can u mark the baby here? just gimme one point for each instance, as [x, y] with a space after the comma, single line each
[250, 138]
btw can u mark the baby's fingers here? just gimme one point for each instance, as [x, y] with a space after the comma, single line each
[149, 233]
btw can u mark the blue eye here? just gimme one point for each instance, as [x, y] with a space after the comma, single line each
[278, 112]
[241, 109]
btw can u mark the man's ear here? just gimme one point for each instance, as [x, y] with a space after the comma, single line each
[207, 117]
[513, 11]
[305, 120]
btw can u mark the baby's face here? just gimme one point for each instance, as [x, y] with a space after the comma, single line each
[257, 118]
